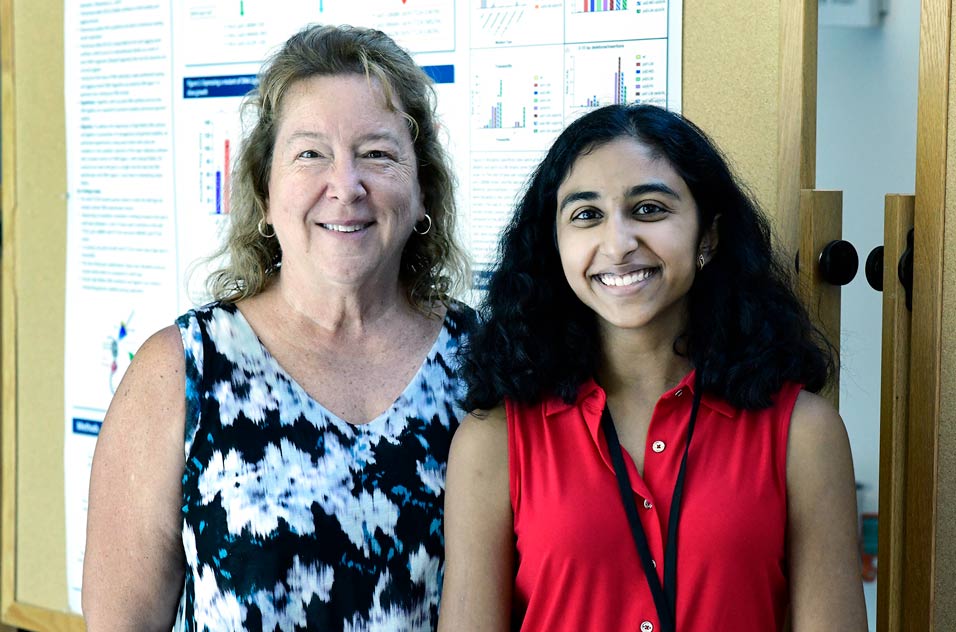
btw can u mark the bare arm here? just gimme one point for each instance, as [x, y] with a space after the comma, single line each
[134, 564]
[826, 589]
[479, 529]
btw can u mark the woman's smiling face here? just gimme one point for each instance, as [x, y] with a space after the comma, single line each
[343, 189]
[628, 235]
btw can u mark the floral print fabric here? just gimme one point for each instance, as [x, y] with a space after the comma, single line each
[294, 519]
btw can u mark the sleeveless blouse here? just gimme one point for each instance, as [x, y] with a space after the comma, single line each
[294, 519]
[577, 566]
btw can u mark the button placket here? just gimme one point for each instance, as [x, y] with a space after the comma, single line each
[658, 446]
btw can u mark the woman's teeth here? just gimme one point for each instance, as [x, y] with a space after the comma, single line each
[340, 228]
[620, 280]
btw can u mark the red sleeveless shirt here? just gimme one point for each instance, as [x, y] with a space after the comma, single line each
[577, 565]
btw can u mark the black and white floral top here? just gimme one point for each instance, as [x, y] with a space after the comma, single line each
[294, 519]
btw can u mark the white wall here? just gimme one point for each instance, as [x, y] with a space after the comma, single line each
[866, 147]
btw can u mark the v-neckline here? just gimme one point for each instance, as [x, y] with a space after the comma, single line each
[378, 419]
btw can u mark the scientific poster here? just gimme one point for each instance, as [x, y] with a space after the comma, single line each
[153, 128]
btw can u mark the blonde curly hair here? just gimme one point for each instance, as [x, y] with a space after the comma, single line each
[433, 265]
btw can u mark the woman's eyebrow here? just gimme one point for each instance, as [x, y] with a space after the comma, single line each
[304, 134]
[653, 187]
[577, 196]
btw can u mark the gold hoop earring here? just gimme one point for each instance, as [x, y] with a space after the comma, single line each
[261, 226]
[700, 261]
[428, 228]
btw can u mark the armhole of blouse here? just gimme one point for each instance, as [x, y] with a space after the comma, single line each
[785, 402]
[194, 341]
[514, 486]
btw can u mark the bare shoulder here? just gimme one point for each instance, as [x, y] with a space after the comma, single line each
[479, 532]
[483, 426]
[818, 448]
[153, 388]
[143, 429]
[478, 461]
[134, 560]
[825, 588]
[160, 353]
[817, 433]
[482, 440]
[154, 384]
[477, 479]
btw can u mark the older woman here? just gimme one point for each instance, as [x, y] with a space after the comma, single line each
[276, 459]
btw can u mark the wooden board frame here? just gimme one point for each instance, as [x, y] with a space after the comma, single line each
[33, 281]
[894, 400]
[935, 112]
[929, 550]
[821, 221]
[8, 410]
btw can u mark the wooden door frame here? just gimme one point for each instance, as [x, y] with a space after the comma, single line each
[936, 112]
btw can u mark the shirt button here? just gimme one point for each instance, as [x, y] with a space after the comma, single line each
[679, 392]
[647, 504]
[654, 563]
[658, 446]
[647, 626]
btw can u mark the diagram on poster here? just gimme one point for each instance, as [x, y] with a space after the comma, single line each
[516, 23]
[596, 75]
[516, 98]
[616, 20]
[421, 26]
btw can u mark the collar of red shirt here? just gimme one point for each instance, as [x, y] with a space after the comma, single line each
[591, 398]
[590, 401]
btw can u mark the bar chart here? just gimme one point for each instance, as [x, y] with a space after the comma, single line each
[217, 145]
[608, 20]
[516, 97]
[623, 72]
[594, 6]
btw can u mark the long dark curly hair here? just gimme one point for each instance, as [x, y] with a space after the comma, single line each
[746, 334]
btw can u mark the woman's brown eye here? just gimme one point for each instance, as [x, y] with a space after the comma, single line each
[648, 209]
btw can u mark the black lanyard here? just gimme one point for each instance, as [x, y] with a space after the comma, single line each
[665, 599]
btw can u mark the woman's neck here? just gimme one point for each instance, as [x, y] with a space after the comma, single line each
[342, 310]
[639, 365]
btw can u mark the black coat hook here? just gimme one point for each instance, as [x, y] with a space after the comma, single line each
[839, 262]
[873, 268]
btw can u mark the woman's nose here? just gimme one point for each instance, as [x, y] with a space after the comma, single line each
[620, 238]
[345, 182]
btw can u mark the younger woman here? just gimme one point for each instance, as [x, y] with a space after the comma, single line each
[652, 455]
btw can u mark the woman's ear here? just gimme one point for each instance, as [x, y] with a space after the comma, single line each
[708, 241]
